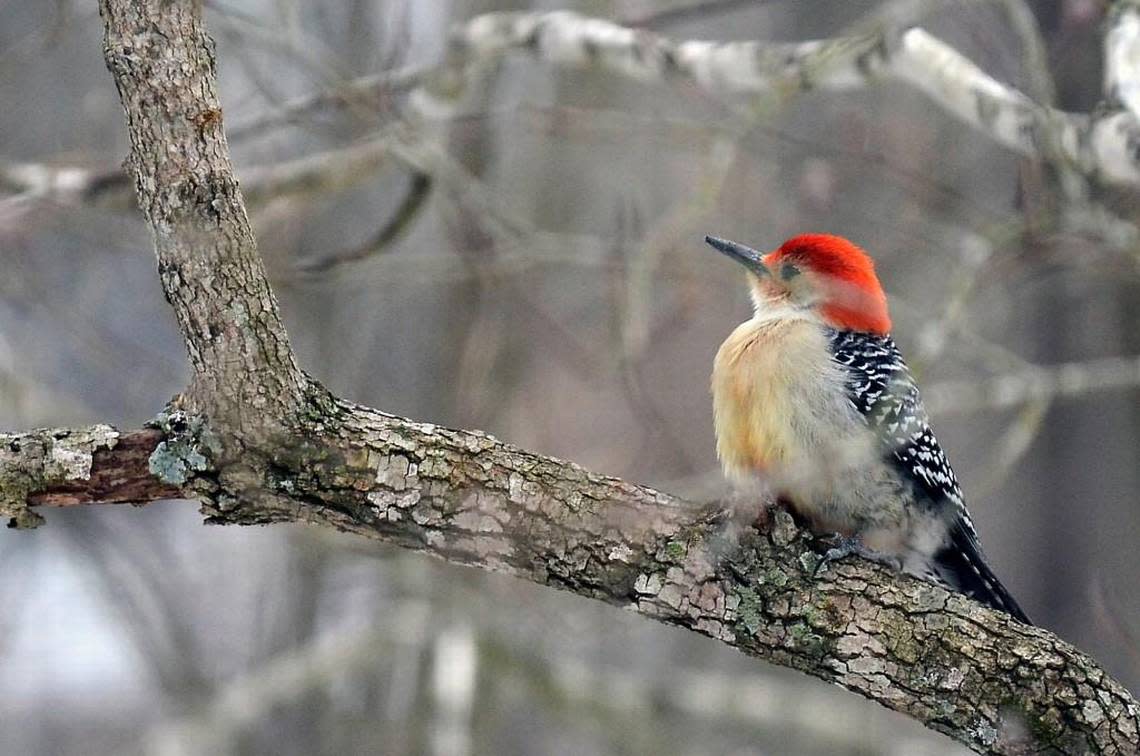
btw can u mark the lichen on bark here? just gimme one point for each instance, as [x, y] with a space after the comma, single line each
[256, 441]
[42, 459]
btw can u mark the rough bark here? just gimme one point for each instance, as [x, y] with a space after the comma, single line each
[162, 61]
[970, 672]
[256, 441]
[66, 467]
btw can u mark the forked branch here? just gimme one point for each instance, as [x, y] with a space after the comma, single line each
[256, 441]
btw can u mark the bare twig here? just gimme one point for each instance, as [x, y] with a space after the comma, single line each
[414, 200]
[364, 92]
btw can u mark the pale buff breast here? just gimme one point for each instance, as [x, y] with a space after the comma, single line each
[778, 402]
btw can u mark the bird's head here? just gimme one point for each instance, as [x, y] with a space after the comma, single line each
[816, 276]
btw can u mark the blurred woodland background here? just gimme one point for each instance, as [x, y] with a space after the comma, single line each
[528, 262]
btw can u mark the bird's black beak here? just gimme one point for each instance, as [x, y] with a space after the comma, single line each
[746, 256]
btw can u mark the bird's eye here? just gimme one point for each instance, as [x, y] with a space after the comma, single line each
[789, 271]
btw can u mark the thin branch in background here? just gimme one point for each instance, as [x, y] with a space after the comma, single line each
[1066, 380]
[1122, 55]
[682, 12]
[239, 704]
[391, 52]
[131, 567]
[1097, 144]
[318, 173]
[101, 344]
[480, 386]
[367, 92]
[632, 306]
[571, 350]
[415, 199]
[1121, 233]
[321, 173]
[975, 257]
[1107, 607]
[454, 667]
[415, 152]
[360, 97]
[560, 119]
[308, 52]
[1094, 220]
[107, 187]
[1013, 445]
[1034, 52]
[681, 223]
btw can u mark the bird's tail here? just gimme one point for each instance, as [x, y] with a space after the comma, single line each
[961, 564]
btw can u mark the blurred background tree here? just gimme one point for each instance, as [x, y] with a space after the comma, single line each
[542, 235]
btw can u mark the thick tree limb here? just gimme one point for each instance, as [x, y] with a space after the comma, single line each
[256, 441]
[975, 674]
[163, 64]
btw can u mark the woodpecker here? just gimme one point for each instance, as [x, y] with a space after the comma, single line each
[812, 396]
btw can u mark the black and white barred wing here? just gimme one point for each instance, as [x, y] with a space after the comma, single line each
[880, 387]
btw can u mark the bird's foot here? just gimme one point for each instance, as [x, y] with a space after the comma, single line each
[843, 546]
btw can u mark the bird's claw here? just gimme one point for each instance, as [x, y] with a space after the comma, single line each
[845, 546]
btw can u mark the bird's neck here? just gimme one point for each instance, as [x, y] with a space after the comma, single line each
[767, 312]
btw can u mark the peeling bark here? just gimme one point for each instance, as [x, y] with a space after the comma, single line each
[119, 473]
[46, 459]
[256, 441]
[973, 673]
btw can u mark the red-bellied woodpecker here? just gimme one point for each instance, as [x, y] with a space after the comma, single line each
[812, 396]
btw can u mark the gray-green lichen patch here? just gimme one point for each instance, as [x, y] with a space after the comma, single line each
[801, 638]
[774, 577]
[174, 462]
[186, 450]
[676, 550]
[809, 561]
[36, 461]
[983, 732]
[750, 611]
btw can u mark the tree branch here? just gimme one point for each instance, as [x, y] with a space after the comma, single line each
[1100, 145]
[1034, 383]
[72, 466]
[328, 171]
[256, 441]
[162, 61]
[970, 672]
[1122, 55]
